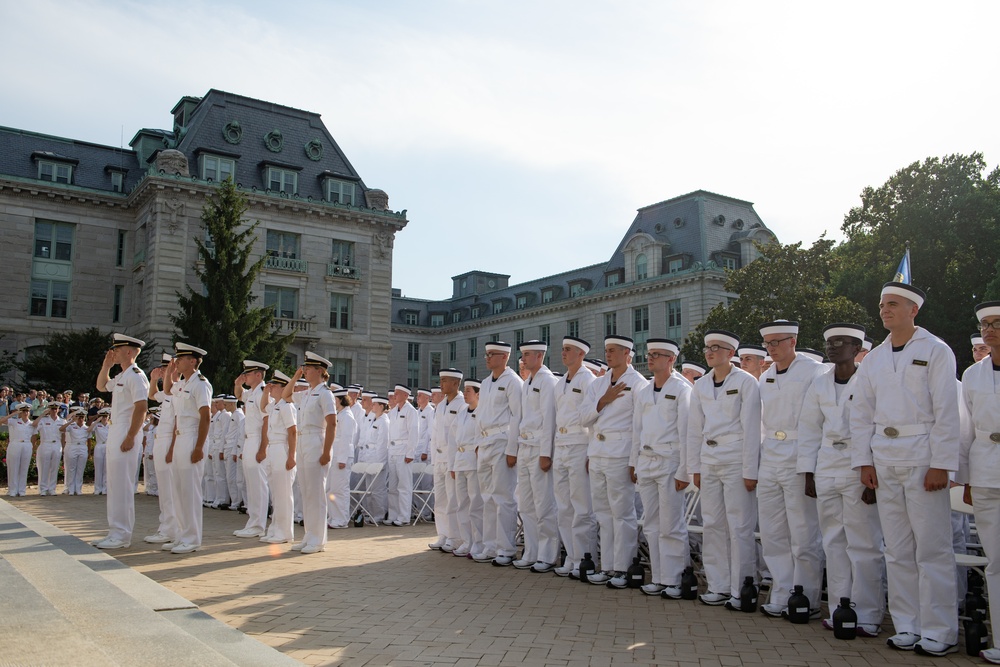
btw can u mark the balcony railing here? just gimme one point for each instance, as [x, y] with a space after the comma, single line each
[286, 264]
[287, 325]
[341, 271]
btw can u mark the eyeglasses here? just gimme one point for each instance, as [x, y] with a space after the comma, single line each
[658, 355]
[995, 324]
[714, 348]
[775, 343]
[493, 354]
[835, 344]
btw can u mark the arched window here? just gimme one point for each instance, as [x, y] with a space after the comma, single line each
[640, 267]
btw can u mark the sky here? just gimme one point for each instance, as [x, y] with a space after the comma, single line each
[520, 136]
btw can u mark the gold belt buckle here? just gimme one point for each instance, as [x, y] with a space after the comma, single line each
[600, 436]
[483, 432]
[461, 449]
[562, 429]
[780, 435]
[995, 437]
[524, 436]
[891, 432]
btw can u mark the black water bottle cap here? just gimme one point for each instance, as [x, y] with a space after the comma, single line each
[845, 602]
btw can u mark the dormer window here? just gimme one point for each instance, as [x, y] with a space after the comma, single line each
[282, 180]
[339, 192]
[57, 172]
[522, 302]
[117, 181]
[217, 169]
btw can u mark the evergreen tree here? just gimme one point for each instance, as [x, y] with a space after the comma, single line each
[224, 321]
[67, 360]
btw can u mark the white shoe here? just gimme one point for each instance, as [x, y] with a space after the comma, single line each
[313, 549]
[652, 589]
[248, 532]
[933, 647]
[542, 567]
[484, 557]
[522, 564]
[773, 609]
[158, 538]
[672, 593]
[448, 547]
[461, 552]
[112, 544]
[94, 543]
[503, 561]
[903, 641]
[620, 580]
[563, 570]
[991, 655]
[436, 545]
[183, 548]
[273, 540]
[168, 546]
[713, 599]
[298, 546]
[599, 578]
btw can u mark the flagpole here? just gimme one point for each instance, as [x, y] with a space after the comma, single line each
[909, 264]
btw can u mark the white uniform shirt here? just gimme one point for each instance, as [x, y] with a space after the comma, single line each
[377, 440]
[218, 432]
[570, 395]
[48, 429]
[913, 389]
[445, 416]
[499, 411]
[781, 397]
[426, 431]
[538, 412]
[404, 431]
[979, 460]
[825, 427]
[235, 434]
[253, 425]
[100, 433]
[729, 416]
[166, 415]
[659, 421]
[343, 440]
[189, 397]
[127, 388]
[77, 435]
[360, 418]
[281, 416]
[611, 428]
[465, 435]
[315, 405]
[21, 430]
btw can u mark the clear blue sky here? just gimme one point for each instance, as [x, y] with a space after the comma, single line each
[521, 136]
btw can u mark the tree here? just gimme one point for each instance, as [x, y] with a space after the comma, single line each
[949, 210]
[67, 360]
[786, 282]
[223, 320]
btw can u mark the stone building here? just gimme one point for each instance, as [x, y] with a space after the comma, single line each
[664, 277]
[104, 237]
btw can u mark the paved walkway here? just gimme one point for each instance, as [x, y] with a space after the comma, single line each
[378, 596]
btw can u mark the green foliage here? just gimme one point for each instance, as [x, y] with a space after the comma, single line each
[787, 282]
[8, 361]
[223, 320]
[67, 360]
[949, 210]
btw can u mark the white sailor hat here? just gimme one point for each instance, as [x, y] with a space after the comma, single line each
[20, 406]
[473, 382]
[534, 346]
[436, 390]
[219, 397]
[313, 359]
[663, 344]
[451, 373]
[185, 350]
[722, 336]
[844, 329]
[594, 365]
[229, 398]
[403, 388]
[381, 400]
[497, 346]
[987, 309]
[121, 340]
[867, 343]
[577, 342]
[340, 393]
[280, 378]
[425, 392]
[78, 412]
[56, 405]
[623, 341]
[977, 339]
[355, 388]
[249, 366]
[910, 292]
[787, 327]
[810, 353]
[693, 366]
[768, 359]
[104, 411]
[368, 394]
[333, 386]
[165, 359]
[751, 349]
[301, 382]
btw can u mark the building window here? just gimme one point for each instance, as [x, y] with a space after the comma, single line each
[435, 367]
[640, 332]
[476, 312]
[120, 249]
[522, 302]
[116, 307]
[284, 301]
[494, 338]
[675, 265]
[340, 311]
[437, 320]
[413, 351]
[573, 328]
[282, 244]
[117, 181]
[218, 169]
[518, 338]
[343, 253]
[54, 240]
[576, 290]
[640, 319]
[729, 263]
[544, 333]
[472, 348]
[674, 319]
[640, 267]
[411, 319]
[497, 307]
[339, 192]
[452, 351]
[456, 317]
[56, 172]
[612, 279]
[610, 324]
[547, 296]
[291, 360]
[340, 371]
[282, 180]
[49, 298]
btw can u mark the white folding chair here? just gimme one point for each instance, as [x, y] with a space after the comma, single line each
[421, 497]
[363, 487]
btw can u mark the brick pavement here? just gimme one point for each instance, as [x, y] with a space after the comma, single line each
[379, 596]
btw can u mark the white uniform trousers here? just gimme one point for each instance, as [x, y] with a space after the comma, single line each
[297, 499]
[150, 479]
[232, 479]
[469, 510]
[75, 460]
[400, 489]
[916, 526]
[443, 505]
[47, 461]
[424, 482]
[255, 478]
[451, 511]
[663, 516]
[186, 489]
[789, 534]
[208, 478]
[18, 459]
[574, 505]
[376, 502]
[852, 542]
[280, 481]
[164, 475]
[122, 470]
[338, 488]
[729, 515]
[313, 482]
[536, 504]
[101, 468]
[614, 506]
[986, 503]
[221, 486]
[496, 484]
[241, 483]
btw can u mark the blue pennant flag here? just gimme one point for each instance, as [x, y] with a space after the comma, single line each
[903, 272]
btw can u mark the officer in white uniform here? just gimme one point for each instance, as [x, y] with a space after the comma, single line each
[217, 493]
[404, 432]
[979, 462]
[231, 450]
[445, 503]
[128, 412]
[338, 486]
[608, 410]
[277, 455]
[99, 427]
[904, 436]
[167, 529]
[657, 464]
[424, 481]
[462, 467]
[191, 396]
[848, 518]
[536, 501]
[723, 457]
[376, 450]
[19, 429]
[255, 400]
[76, 453]
[752, 359]
[571, 482]
[498, 416]
[50, 438]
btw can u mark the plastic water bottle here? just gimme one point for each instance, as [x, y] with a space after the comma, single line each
[636, 574]
[689, 584]
[845, 620]
[798, 606]
[748, 596]
[587, 567]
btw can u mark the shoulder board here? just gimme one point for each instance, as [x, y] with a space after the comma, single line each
[136, 370]
[919, 362]
[732, 392]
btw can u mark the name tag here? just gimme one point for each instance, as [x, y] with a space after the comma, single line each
[919, 362]
[628, 388]
[769, 381]
[454, 412]
[501, 389]
[577, 391]
[732, 392]
[402, 416]
[536, 390]
[851, 397]
[672, 398]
